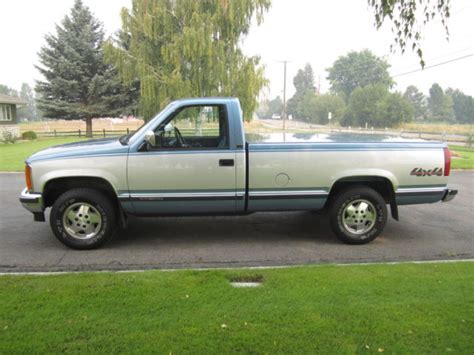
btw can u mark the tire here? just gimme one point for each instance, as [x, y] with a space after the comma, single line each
[92, 226]
[358, 215]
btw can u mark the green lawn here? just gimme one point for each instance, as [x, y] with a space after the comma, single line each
[466, 161]
[12, 156]
[407, 308]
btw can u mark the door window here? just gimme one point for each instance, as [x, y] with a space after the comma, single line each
[194, 127]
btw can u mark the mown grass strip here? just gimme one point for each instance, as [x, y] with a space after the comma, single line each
[12, 156]
[406, 308]
[464, 157]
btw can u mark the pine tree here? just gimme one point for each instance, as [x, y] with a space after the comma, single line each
[189, 48]
[304, 84]
[417, 100]
[78, 83]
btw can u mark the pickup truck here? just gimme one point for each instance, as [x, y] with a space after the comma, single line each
[193, 158]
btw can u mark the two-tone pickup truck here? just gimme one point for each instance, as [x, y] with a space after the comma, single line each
[193, 158]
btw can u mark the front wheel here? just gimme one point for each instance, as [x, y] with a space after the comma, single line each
[358, 215]
[83, 218]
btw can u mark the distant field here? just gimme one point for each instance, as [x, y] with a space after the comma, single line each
[255, 126]
[74, 125]
[463, 129]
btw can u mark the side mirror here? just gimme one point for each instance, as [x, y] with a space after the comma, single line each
[150, 138]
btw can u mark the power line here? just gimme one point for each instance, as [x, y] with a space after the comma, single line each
[434, 65]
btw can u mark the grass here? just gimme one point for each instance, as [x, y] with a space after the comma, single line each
[12, 156]
[465, 160]
[408, 308]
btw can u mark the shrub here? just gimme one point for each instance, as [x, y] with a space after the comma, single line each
[9, 136]
[30, 135]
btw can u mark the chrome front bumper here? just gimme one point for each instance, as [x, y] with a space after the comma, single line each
[33, 202]
[449, 195]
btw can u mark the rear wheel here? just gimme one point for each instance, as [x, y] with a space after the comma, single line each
[83, 218]
[358, 215]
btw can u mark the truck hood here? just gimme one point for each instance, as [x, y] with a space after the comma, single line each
[93, 147]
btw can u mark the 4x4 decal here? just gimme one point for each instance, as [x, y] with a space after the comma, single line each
[429, 172]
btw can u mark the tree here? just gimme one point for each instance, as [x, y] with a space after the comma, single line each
[417, 100]
[392, 110]
[435, 101]
[77, 83]
[29, 111]
[316, 108]
[189, 48]
[375, 106]
[304, 83]
[358, 69]
[362, 107]
[463, 106]
[408, 18]
[440, 105]
[275, 106]
[5, 90]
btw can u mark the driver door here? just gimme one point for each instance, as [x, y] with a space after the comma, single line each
[189, 168]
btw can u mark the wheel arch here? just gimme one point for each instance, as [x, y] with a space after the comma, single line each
[55, 187]
[380, 183]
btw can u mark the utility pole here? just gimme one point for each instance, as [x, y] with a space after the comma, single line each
[284, 92]
[284, 95]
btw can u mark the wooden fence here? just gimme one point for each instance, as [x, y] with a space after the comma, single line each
[80, 133]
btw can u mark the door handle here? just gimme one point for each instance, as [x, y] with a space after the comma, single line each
[226, 162]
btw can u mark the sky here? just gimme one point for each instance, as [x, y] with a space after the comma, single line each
[299, 31]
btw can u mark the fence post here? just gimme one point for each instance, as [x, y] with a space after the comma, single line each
[79, 133]
[54, 133]
[128, 130]
[103, 131]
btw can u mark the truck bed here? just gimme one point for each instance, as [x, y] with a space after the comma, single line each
[293, 171]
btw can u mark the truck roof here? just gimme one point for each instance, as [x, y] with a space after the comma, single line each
[206, 100]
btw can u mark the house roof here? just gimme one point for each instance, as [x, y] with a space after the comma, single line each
[7, 99]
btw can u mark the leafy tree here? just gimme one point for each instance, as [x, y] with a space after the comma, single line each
[5, 90]
[315, 108]
[392, 110]
[463, 106]
[29, 111]
[189, 48]
[358, 69]
[408, 18]
[440, 105]
[78, 84]
[417, 100]
[304, 83]
[362, 107]
[275, 106]
[375, 106]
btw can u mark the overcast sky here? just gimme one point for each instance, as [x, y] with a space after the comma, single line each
[300, 31]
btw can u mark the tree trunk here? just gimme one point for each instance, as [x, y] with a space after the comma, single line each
[89, 127]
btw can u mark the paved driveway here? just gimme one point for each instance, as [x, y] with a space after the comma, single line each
[426, 232]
